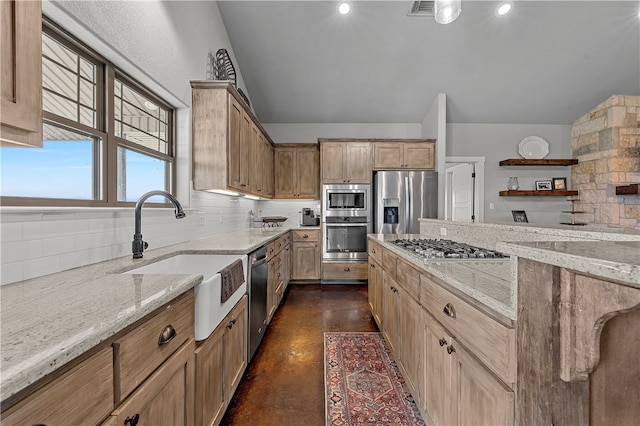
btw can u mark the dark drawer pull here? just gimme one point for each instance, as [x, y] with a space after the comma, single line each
[133, 420]
[346, 269]
[450, 349]
[231, 324]
[168, 334]
[305, 236]
[442, 342]
[449, 310]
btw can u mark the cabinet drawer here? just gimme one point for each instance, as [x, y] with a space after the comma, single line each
[304, 235]
[143, 349]
[345, 271]
[490, 341]
[389, 262]
[375, 251]
[83, 395]
[408, 278]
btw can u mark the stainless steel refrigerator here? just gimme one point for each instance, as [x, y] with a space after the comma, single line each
[401, 198]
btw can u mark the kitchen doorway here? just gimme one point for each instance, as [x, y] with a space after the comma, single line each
[464, 189]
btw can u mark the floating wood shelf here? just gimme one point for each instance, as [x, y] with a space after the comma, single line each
[556, 193]
[543, 162]
[572, 212]
[574, 223]
[633, 189]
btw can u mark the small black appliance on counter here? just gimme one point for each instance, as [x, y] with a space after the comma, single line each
[309, 218]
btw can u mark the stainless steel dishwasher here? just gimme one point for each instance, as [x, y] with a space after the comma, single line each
[257, 298]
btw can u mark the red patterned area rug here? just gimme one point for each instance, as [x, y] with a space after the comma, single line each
[363, 385]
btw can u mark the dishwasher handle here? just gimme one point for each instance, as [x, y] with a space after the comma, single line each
[257, 261]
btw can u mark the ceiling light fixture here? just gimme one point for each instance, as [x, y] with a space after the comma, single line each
[446, 11]
[504, 8]
[344, 8]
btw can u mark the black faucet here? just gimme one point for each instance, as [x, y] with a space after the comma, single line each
[138, 246]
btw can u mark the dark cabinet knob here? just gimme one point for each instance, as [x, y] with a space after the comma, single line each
[133, 420]
[449, 310]
[450, 349]
[167, 335]
[231, 324]
[442, 342]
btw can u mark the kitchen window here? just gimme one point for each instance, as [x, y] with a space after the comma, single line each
[106, 139]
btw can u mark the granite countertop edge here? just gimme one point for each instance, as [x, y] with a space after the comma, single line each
[26, 359]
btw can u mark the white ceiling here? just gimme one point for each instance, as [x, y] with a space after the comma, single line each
[547, 62]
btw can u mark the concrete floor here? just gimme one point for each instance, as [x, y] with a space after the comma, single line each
[284, 384]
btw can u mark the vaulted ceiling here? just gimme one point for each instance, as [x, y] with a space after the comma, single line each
[546, 62]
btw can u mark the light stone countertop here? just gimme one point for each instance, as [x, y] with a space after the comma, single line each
[486, 281]
[612, 260]
[48, 321]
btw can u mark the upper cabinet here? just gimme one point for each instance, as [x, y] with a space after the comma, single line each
[297, 171]
[21, 75]
[345, 161]
[230, 149]
[403, 155]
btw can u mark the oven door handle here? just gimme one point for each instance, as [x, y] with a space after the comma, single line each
[341, 225]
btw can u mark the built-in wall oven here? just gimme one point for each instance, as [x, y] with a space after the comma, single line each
[346, 217]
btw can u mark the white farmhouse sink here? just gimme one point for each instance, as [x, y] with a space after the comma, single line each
[209, 311]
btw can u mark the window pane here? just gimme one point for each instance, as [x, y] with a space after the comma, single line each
[140, 120]
[68, 81]
[140, 173]
[62, 168]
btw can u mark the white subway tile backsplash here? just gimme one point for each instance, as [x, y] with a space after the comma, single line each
[11, 272]
[54, 228]
[21, 250]
[11, 231]
[41, 266]
[52, 246]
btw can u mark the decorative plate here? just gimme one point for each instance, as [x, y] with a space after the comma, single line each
[533, 148]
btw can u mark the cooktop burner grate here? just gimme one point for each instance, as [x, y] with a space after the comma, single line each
[446, 249]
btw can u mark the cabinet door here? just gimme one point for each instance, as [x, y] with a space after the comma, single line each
[235, 141]
[419, 155]
[235, 348]
[358, 162]
[246, 143]
[305, 261]
[387, 155]
[483, 398]
[332, 162]
[284, 168]
[390, 325]
[269, 178]
[375, 291]
[256, 183]
[273, 270]
[411, 336]
[209, 358]
[307, 173]
[436, 389]
[83, 395]
[21, 78]
[166, 398]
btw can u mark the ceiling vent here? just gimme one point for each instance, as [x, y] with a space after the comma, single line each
[421, 8]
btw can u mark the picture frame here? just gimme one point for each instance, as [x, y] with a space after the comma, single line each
[543, 185]
[519, 216]
[559, 184]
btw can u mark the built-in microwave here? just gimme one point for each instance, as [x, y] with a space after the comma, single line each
[346, 200]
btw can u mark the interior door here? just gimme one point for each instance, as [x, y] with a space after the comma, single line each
[460, 192]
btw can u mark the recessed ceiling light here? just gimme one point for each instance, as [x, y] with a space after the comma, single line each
[504, 8]
[344, 8]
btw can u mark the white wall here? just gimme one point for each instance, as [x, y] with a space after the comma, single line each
[434, 126]
[498, 142]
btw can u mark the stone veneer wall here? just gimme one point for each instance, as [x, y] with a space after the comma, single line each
[606, 142]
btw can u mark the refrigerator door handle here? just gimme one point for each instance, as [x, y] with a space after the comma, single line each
[409, 205]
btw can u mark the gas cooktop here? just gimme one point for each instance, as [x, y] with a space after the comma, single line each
[437, 249]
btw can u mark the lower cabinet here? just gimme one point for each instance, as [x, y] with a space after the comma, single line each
[390, 305]
[220, 362]
[410, 340]
[375, 291]
[305, 255]
[166, 397]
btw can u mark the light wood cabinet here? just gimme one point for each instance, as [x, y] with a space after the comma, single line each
[375, 291]
[220, 361]
[404, 155]
[228, 142]
[410, 339]
[344, 271]
[277, 272]
[82, 395]
[297, 171]
[305, 255]
[345, 161]
[390, 306]
[166, 397]
[21, 75]
[436, 386]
